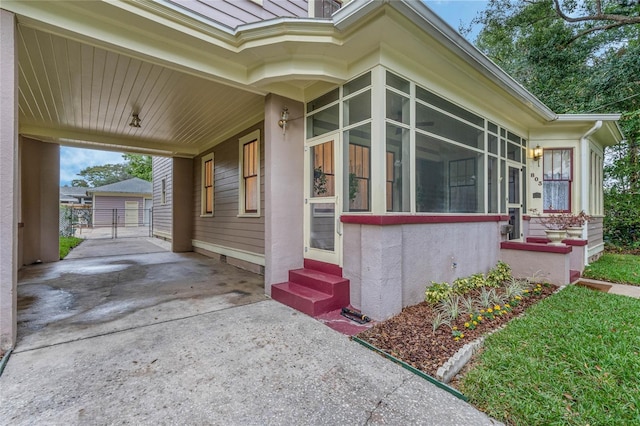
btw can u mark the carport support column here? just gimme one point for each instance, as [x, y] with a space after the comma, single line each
[284, 172]
[40, 201]
[182, 199]
[9, 188]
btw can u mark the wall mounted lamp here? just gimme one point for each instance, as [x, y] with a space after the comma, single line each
[537, 154]
[284, 118]
[135, 120]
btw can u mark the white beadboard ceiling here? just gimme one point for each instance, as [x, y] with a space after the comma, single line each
[79, 94]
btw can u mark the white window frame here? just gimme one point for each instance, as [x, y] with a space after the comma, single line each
[203, 195]
[253, 136]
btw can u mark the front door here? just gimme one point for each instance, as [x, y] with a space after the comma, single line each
[514, 200]
[323, 177]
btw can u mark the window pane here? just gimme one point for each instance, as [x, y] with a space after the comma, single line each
[432, 121]
[357, 164]
[493, 128]
[397, 149]
[323, 178]
[449, 178]
[556, 195]
[323, 100]
[323, 121]
[492, 185]
[357, 84]
[397, 107]
[513, 138]
[209, 199]
[547, 164]
[566, 164]
[443, 104]
[358, 108]
[503, 198]
[397, 82]
[251, 194]
[513, 152]
[493, 144]
[322, 226]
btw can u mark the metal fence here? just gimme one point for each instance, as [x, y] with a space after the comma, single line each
[91, 223]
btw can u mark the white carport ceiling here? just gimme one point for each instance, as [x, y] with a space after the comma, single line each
[78, 94]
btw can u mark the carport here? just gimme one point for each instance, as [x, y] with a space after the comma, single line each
[75, 74]
[107, 286]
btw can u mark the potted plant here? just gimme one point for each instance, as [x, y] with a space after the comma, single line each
[559, 225]
[575, 224]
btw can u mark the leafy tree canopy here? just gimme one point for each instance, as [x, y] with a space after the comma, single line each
[135, 165]
[579, 57]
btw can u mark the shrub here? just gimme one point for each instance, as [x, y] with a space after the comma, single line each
[437, 291]
[498, 275]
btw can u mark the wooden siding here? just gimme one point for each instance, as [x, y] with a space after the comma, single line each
[233, 13]
[162, 169]
[595, 231]
[536, 228]
[225, 228]
[104, 206]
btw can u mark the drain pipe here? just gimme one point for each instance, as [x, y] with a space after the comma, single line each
[5, 359]
[584, 177]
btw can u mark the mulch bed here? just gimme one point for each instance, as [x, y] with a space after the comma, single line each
[409, 335]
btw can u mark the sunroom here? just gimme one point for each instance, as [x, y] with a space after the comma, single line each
[405, 186]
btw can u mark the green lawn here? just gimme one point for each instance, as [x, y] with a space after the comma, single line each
[615, 268]
[66, 244]
[573, 359]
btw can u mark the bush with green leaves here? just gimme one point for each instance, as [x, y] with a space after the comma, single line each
[498, 275]
[437, 292]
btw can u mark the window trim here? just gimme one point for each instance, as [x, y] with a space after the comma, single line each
[570, 180]
[203, 195]
[253, 136]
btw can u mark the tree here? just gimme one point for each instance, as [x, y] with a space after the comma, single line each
[135, 165]
[102, 175]
[579, 57]
[139, 165]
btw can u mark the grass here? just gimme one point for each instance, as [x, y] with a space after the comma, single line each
[615, 268]
[573, 359]
[66, 244]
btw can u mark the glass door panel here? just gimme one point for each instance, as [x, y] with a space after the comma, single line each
[322, 187]
[514, 201]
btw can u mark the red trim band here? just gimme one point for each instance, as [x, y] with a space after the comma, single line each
[542, 248]
[383, 220]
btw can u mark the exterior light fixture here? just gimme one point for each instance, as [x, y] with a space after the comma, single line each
[135, 120]
[537, 154]
[284, 118]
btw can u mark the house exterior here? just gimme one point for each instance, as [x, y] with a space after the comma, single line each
[357, 153]
[74, 195]
[128, 202]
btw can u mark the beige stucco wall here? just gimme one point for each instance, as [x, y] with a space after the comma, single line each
[389, 267]
[40, 200]
[284, 171]
[550, 267]
[8, 180]
[182, 202]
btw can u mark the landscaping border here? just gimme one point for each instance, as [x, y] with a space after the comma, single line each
[5, 360]
[414, 370]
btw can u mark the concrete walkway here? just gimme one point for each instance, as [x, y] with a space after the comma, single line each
[612, 288]
[218, 353]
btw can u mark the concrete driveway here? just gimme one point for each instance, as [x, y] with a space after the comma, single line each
[188, 356]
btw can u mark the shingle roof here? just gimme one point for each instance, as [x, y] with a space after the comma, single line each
[74, 191]
[129, 186]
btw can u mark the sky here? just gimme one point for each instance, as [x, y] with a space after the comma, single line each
[73, 160]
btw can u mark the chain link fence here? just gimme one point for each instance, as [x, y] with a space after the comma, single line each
[91, 223]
